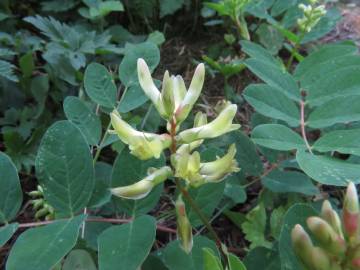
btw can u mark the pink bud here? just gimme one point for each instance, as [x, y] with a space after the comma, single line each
[351, 211]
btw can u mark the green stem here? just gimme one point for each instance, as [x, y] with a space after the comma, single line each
[98, 150]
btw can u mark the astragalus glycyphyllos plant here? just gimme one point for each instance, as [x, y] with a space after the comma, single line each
[174, 104]
[338, 239]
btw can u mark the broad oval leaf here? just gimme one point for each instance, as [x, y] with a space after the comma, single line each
[6, 232]
[235, 263]
[11, 198]
[297, 214]
[127, 170]
[277, 78]
[81, 115]
[256, 51]
[79, 259]
[65, 168]
[99, 85]
[278, 137]
[270, 102]
[328, 170]
[338, 83]
[125, 247]
[289, 181]
[338, 110]
[176, 259]
[49, 244]
[211, 261]
[342, 141]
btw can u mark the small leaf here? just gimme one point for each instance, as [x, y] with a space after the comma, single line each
[235, 263]
[65, 168]
[328, 170]
[7, 71]
[289, 181]
[211, 261]
[168, 7]
[278, 137]
[87, 121]
[125, 247]
[6, 232]
[49, 244]
[99, 85]
[270, 102]
[338, 110]
[281, 80]
[254, 227]
[262, 258]
[79, 259]
[11, 198]
[342, 141]
[26, 63]
[256, 51]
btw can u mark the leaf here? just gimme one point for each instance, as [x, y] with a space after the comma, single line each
[254, 227]
[340, 82]
[297, 214]
[235, 263]
[262, 258]
[6, 232]
[99, 85]
[78, 259]
[128, 72]
[289, 181]
[127, 170]
[101, 194]
[65, 168]
[207, 197]
[342, 141]
[26, 63]
[211, 261]
[324, 55]
[270, 37]
[49, 244]
[168, 7]
[281, 80]
[176, 259]
[269, 101]
[338, 110]
[11, 198]
[234, 191]
[258, 52]
[7, 71]
[276, 220]
[328, 170]
[126, 246]
[277, 137]
[39, 89]
[87, 121]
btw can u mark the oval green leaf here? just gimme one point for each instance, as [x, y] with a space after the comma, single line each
[99, 85]
[125, 247]
[65, 168]
[43, 247]
[11, 198]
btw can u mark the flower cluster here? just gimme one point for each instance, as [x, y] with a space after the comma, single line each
[311, 15]
[339, 241]
[174, 103]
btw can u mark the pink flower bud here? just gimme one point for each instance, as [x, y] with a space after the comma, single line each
[351, 211]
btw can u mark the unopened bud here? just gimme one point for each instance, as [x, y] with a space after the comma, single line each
[142, 188]
[332, 217]
[184, 230]
[351, 211]
[326, 235]
[302, 245]
[320, 260]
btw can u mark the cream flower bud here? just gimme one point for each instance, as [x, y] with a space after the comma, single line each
[302, 245]
[330, 215]
[142, 144]
[351, 213]
[217, 170]
[192, 94]
[142, 188]
[220, 125]
[184, 230]
[149, 87]
[326, 235]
